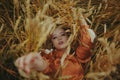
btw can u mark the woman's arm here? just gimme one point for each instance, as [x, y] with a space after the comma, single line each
[86, 42]
[84, 24]
[32, 61]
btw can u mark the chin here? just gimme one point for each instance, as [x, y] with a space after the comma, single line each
[62, 48]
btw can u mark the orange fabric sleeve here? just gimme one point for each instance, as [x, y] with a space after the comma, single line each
[83, 50]
[49, 59]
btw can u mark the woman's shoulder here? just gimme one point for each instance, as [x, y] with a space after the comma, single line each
[46, 53]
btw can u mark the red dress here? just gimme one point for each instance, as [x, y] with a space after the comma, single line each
[73, 63]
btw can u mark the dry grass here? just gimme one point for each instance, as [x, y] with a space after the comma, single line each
[25, 26]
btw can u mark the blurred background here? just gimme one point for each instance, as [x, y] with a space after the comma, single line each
[17, 38]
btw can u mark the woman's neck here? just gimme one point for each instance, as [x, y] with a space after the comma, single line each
[61, 50]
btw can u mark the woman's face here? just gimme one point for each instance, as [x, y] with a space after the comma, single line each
[59, 39]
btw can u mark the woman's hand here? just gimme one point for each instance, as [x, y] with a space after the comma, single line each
[82, 20]
[32, 61]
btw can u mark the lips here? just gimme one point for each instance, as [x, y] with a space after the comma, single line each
[60, 42]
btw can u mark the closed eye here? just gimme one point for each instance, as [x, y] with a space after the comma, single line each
[63, 34]
[54, 37]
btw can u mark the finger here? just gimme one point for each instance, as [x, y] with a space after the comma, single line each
[35, 58]
[17, 62]
[36, 61]
[21, 62]
[21, 72]
[27, 63]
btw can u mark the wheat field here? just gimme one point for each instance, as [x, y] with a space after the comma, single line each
[26, 24]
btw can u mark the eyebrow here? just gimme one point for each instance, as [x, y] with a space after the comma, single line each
[60, 33]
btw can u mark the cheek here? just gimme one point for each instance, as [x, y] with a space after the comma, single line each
[65, 39]
[54, 42]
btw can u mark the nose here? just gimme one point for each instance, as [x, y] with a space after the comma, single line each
[59, 38]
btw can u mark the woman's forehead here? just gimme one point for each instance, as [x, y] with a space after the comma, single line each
[58, 30]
